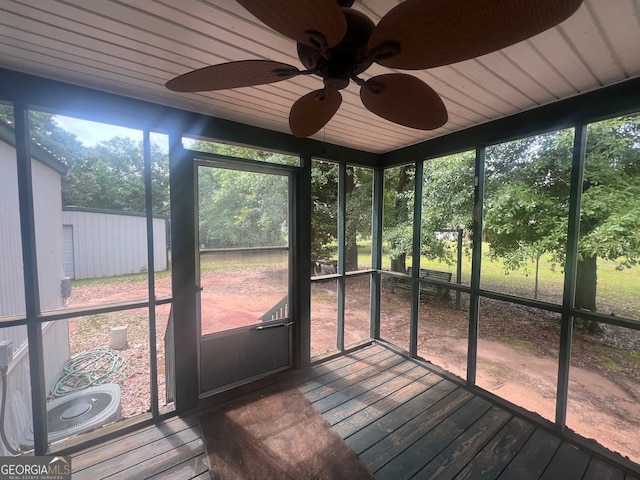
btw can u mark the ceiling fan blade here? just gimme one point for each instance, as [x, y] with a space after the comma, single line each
[316, 23]
[405, 100]
[425, 34]
[312, 112]
[245, 73]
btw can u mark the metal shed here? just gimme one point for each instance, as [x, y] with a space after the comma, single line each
[106, 243]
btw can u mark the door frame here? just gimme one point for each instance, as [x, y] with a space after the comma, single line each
[203, 159]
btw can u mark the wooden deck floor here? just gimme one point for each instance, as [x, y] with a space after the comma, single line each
[402, 419]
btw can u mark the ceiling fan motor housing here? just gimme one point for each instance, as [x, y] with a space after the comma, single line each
[337, 65]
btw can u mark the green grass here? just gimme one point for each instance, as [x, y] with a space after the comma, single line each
[518, 344]
[618, 290]
[610, 363]
[134, 277]
[631, 356]
[235, 261]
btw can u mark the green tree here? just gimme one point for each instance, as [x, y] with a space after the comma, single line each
[398, 214]
[527, 198]
[324, 203]
[358, 189]
[447, 202]
[109, 175]
[238, 208]
[527, 212]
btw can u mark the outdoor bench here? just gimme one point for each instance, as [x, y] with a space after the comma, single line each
[441, 291]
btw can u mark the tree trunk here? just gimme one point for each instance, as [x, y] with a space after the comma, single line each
[399, 264]
[351, 233]
[586, 285]
[351, 255]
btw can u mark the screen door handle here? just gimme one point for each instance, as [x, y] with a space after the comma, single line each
[275, 325]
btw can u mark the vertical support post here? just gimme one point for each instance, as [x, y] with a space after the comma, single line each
[570, 273]
[376, 250]
[476, 263]
[183, 278]
[151, 269]
[459, 267]
[342, 215]
[416, 252]
[30, 270]
[300, 280]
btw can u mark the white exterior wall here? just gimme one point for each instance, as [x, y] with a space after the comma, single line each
[108, 244]
[48, 228]
[47, 207]
[11, 277]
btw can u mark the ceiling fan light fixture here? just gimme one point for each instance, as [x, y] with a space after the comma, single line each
[336, 76]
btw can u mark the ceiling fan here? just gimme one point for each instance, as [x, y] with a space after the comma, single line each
[338, 43]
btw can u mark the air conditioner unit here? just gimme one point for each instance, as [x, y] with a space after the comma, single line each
[79, 412]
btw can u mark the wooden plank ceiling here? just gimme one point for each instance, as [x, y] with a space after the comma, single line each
[132, 47]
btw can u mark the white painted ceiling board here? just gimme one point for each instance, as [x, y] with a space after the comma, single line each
[519, 78]
[527, 56]
[133, 47]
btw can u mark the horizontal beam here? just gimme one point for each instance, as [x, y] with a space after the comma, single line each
[619, 99]
[89, 104]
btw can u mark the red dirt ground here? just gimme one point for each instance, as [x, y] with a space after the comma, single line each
[515, 360]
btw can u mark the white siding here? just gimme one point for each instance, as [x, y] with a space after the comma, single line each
[67, 243]
[108, 244]
[47, 206]
[56, 350]
[11, 277]
[48, 229]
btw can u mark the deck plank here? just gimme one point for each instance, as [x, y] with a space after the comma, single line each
[114, 464]
[365, 385]
[497, 454]
[374, 396]
[190, 468]
[319, 372]
[138, 439]
[568, 463]
[409, 422]
[204, 476]
[463, 449]
[396, 402]
[600, 470]
[533, 457]
[404, 419]
[407, 450]
[344, 377]
[158, 464]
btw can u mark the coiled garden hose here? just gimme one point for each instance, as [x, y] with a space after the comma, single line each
[94, 367]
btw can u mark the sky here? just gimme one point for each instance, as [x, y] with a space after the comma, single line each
[91, 133]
